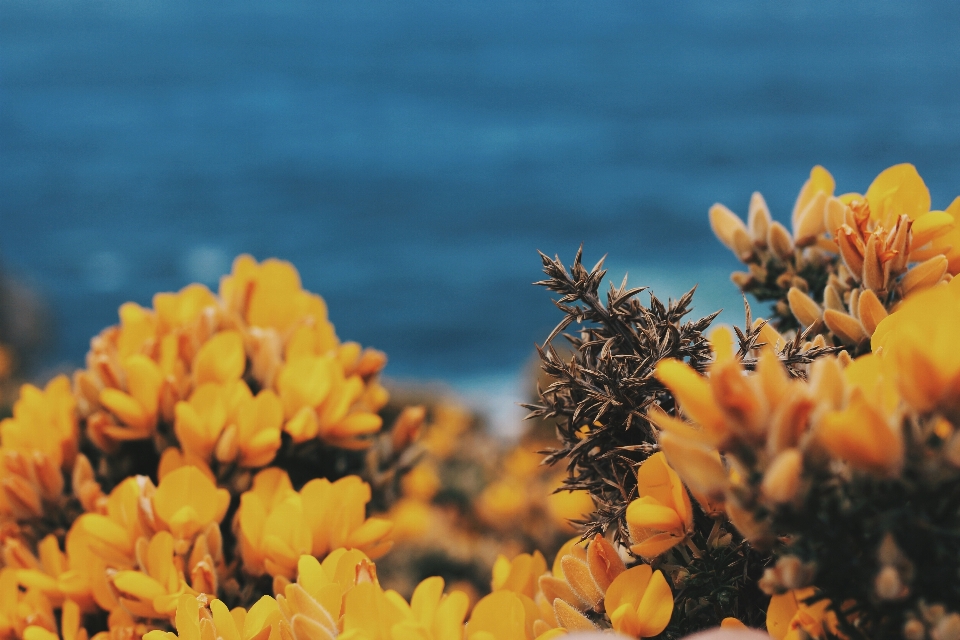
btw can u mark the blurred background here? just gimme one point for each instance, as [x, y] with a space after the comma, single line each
[411, 157]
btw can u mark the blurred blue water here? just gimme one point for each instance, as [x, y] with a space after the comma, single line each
[410, 157]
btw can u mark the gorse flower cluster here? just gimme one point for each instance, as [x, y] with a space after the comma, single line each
[163, 472]
[803, 476]
[221, 468]
[850, 259]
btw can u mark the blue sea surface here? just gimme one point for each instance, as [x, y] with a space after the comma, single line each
[411, 157]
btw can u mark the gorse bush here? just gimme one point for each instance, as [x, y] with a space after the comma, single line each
[225, 467]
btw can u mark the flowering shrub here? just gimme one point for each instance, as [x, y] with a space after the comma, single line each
[220, 468]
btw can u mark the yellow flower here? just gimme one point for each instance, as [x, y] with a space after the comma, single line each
[413, 520]
[186, 501]
[319, 400]
[201, 420]
[152, 590]
[896, 191]
[177, 311]
[335, 513]
[20, 610]
[374, 614]
[151, 544]
[71, 620]
[450, 421]
[863, 436]
[225, 420]
[43, 421]
[138, 370]
[503, 501]
[36, 445]
[328, 389]
[196, 622]
[311, 606]
[165, 571]
[98, 541]
[519, 575]
[47, 572]
[921, 349]
[221, 359]
[947, 244]
[258, 426]
[276, 525]
[865, 244]
[639, 602]
[788, 618]
[421, 483]
[128, 407]
[565, 506]
[662, 516]
[269, 294]
[579, 581]
[502, 615]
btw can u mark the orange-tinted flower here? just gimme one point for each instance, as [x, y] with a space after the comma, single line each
[920, 347]
[276, 525]
[502, 615]
[639, 602]
[186, 501]
[36, 445]
[320, 401]
[788, 618]
[196, 622]
[581, 576]
[20, 610]
[662, 516]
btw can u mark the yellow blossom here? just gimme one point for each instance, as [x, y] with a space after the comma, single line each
[71, 628]
[585, 574]
[502, 501]
[276, 524]
[225, 420]
[502, 615]
[374, 614]
[36, 445]
[20, 610]
[47, 572]
[269, 294]
[320, 400]
[920, 347]
[422, 482]
[639, 602]
[862, 435]
[221, 359]
[662, 516]
[947, 244]
[788, 618]
[519, 575]
[565, 506]
[43, 421]
[153, 591]
[196, 622]
[129, 408]
[258, 426]
[874, 249]
[412, 520]
[175, 311]
[150, 545]
[186, 501]
[439, 615]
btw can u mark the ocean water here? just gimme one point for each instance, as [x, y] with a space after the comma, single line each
[411, 157]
